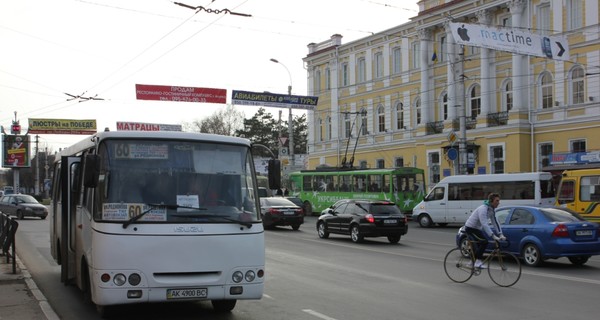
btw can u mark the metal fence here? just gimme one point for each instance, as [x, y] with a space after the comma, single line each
[8, 229]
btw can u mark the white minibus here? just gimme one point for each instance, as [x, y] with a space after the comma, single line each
[454, 198]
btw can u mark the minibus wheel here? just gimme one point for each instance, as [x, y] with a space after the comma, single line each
[425, 220]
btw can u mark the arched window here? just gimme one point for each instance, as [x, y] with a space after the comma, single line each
[380, 119]
[546, 90]
[363, 122]
[347, 126]
[317, 80]
[443, 110]
[507, 95]
[320, 128]
[399, 116]
[327, 79]
[328, 128]
[577, 85]
[417, 117]
[475, 101]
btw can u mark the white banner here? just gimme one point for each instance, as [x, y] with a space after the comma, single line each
[511, 40]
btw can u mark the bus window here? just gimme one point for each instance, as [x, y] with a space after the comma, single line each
[589, 185]
[307, 183]
[345, 183]
[566, 192]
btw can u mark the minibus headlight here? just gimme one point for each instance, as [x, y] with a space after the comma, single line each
[250, 275]
[237, 277]
[119, 279]
[134, 279]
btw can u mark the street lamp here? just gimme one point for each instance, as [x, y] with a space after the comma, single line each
[290, 125]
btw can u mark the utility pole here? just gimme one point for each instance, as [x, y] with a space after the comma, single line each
[37, 167]
[462, 145]
[290, 120]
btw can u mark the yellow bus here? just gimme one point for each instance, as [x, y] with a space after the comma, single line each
[579, 190]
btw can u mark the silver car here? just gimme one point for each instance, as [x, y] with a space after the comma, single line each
[22, 205]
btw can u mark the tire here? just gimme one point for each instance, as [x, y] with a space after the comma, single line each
[458, 268]
[394, 239]
[532, 256]
[105, 312]
[307, 209]
[505, 270]
[464, 247]
[355, 234]
[86, 281]
[425, 220]
[579, 260]
[295, 227]
[322, 230]
[223, 305]
[20, 215]
[43, 217]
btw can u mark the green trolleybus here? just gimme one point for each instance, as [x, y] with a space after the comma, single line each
[319, 189]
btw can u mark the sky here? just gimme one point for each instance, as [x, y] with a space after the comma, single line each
[101, 48]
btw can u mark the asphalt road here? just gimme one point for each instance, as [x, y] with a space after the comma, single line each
[334, 279]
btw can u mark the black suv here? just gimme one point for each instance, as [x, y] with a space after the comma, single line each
[363, 218]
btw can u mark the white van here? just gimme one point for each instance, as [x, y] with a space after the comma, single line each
[454, 198]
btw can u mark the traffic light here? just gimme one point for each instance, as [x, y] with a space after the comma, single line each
[15, 128]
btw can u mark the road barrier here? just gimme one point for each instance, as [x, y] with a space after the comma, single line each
[8, 229]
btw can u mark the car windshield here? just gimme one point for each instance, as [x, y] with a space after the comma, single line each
[277, 202]
[382, 209]
[175, 181]
[560, 215]
[26, 199]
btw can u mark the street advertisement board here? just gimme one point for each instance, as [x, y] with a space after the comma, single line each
[16, 151]
[61, 126]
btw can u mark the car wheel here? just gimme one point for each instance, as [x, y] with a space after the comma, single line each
[223, 305]
[307, 209]
[532, 255]
[464, 247]
[322, 230]
[393, 239]
[43, 217]
[295, 226]
[20, 215]
[355, 234]
[579, 260]
[425, 220]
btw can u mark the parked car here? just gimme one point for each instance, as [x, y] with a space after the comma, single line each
[363, 218]
[279, 211]
[22, 205]
[537, 233]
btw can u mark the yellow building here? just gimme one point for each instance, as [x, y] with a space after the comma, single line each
[415, 95]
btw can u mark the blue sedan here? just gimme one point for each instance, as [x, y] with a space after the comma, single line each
[539, 233]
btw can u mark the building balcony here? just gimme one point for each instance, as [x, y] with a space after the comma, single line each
[470, 124]
[435, 127]
[497, 119]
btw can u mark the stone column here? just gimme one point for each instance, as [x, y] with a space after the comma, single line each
[518, 60]
[487, 87]
[451, 77]
[425, 40]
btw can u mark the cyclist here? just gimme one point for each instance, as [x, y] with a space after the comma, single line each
[478, 222]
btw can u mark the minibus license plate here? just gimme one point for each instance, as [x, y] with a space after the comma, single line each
[584, 233]
[189, 293]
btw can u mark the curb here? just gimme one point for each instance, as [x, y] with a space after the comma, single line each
[39, 296]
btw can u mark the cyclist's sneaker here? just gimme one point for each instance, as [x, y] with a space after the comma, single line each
[468, 264]
[479, 264]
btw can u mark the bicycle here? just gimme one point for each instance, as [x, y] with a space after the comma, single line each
[504, 268]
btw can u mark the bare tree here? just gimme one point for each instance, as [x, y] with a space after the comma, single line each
[225, 122]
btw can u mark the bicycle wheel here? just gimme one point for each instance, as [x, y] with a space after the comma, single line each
[504, 269]
[457, 267]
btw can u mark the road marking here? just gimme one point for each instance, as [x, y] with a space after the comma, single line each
[318, 315]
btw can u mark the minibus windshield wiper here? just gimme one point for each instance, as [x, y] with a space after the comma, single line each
[156, 206]
[211, 216]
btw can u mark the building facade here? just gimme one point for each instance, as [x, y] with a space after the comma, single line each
[412, 96]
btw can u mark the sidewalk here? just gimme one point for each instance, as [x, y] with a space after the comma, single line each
[20, 297]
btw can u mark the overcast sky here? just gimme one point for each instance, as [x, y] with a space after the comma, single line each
[102, 48]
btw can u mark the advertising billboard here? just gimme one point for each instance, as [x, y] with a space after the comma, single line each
[16, 151]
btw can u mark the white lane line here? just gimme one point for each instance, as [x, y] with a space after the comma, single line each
[318, 315]
[267, 296]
